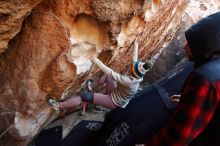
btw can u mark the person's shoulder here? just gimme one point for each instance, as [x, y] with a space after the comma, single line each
[210, 70]
[135, 80]
[131, 79]
[196, 79]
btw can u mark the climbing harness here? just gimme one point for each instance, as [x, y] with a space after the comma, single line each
[86, 86]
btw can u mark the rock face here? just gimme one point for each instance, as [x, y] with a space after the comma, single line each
[198, 9]
[171, 54]
[12, 14]
[174, 52]
[52, 52]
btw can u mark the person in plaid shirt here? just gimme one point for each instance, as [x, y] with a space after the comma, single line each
[196, 120]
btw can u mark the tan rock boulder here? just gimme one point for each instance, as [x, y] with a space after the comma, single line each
[12, 14]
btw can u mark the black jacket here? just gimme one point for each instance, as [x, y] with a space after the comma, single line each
[204, 38]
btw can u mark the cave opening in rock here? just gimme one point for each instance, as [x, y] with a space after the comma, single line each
[87, 36]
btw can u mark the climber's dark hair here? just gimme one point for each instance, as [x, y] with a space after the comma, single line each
[147, 65]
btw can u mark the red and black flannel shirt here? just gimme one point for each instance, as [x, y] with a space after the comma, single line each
[198, 103]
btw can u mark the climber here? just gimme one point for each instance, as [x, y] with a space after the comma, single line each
[119, 88]
[196, 120]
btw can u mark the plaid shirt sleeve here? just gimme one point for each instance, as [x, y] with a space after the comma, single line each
[197, 106]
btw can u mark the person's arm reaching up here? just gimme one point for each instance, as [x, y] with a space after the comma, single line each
[197, 106]
[135, 52]
[109, 72]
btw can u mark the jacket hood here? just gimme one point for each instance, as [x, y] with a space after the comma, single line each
[204, 37]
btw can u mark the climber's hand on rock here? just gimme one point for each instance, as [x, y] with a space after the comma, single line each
[93, 59]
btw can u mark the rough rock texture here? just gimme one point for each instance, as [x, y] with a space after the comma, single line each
[171, 54]
[198, 9]
[174, 52]
[52, 53]
[12, 14]
[33, 66]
